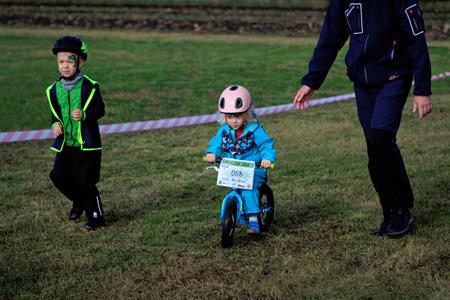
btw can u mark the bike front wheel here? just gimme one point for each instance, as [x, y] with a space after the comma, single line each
[229, 223]
[267, 204]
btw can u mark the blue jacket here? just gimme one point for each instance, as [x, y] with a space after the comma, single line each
[93, 109]
[253, 144]
[387, 41]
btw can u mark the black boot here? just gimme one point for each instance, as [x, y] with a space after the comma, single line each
[94, 224]
[76, 212]
[400, 222]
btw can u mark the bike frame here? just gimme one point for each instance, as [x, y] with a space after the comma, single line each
[240, 216]
[234, 193]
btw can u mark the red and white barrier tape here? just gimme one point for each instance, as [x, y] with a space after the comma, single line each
[20, 136]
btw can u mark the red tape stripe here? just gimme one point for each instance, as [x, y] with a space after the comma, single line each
[20, 136]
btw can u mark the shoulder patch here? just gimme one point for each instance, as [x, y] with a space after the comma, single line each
[415, 20]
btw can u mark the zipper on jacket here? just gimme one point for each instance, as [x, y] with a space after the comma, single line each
[70, 119]
[367, 38]
[364, 53]
[393, 49]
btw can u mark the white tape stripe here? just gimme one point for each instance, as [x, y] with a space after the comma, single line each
[98, 205]
[17, 136]
[133, 126]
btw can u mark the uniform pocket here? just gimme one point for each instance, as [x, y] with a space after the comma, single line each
[354, 17]
[415, 19]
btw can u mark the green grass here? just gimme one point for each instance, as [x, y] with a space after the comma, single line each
[162, 240]
[147, 76]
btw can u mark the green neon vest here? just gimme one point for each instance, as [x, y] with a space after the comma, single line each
[69, 101]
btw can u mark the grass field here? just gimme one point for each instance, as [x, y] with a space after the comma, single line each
[149, 75]
[162, 238]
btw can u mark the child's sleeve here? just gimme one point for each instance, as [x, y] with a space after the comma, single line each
[53, 120]
[54, 123]
[215, 144]
[52, 92]
[96, 109]
[265, 144]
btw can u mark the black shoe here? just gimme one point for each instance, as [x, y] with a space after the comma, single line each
[400, 221]
[94, 225]
[380, 230]
[75, 214]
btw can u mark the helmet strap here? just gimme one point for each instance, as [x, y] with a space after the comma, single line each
[77, 65]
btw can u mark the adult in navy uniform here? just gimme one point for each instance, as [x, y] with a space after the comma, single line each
[387, 51]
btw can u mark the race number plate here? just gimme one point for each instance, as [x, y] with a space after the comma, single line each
[236, 173]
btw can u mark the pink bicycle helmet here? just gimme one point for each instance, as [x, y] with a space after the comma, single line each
[235, 99]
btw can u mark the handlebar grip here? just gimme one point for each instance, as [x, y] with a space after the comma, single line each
[272, 166]
[205, 159]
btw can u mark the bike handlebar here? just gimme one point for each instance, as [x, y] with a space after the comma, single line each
[219, 159]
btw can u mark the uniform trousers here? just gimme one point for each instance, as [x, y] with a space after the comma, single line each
[75, 173]
[379, 112]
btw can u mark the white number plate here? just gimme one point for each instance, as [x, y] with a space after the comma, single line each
[236, 173]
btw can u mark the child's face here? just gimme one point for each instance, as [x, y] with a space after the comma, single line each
[67, 64]
[235, 121]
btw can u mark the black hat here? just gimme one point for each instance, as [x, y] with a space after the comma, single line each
[71, 44]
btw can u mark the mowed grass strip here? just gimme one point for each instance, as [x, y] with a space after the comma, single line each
[161, 206]
[145, 76]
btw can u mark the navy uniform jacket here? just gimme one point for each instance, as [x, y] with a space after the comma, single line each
[387, 41]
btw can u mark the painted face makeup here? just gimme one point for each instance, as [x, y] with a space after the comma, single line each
[73, 58]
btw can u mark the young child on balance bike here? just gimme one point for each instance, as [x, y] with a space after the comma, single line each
[242, 137]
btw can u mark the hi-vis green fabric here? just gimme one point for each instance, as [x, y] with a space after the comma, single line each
[85, 96]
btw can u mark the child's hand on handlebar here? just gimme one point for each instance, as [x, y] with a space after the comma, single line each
[211, 157]
[265, 163]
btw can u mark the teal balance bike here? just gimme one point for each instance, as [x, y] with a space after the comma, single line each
[232, 213]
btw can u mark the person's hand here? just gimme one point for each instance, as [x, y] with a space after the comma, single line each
[77, 114]
[57, 129]
[211, 157]
[422, 104]
[301, 99]
[265, 163]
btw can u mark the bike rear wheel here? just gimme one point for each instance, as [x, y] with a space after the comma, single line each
[229, 223]
[267, 204]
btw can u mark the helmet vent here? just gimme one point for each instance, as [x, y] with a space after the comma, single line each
[238, 103]
[234, 87]
[222, 102]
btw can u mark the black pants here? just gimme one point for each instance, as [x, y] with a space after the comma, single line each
[76, 173]
[379, 111]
